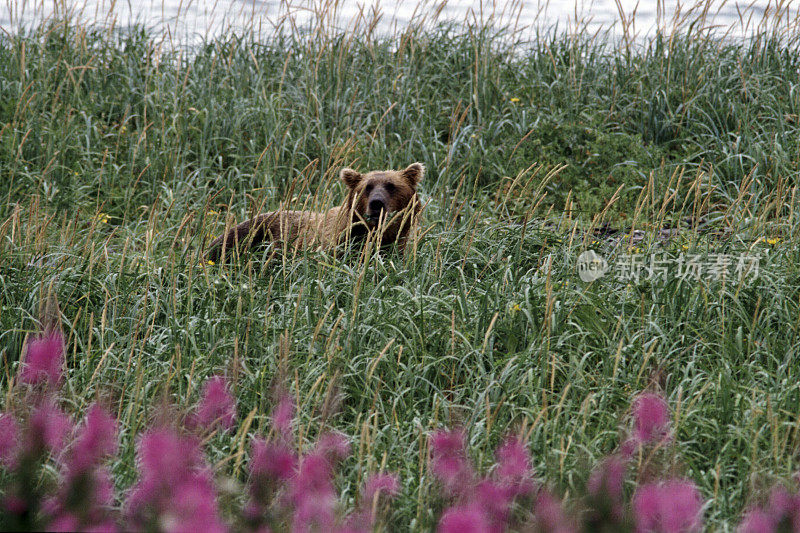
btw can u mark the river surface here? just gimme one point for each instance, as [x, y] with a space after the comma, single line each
[187, 21]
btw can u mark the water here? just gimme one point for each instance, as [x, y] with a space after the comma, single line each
[186, 21]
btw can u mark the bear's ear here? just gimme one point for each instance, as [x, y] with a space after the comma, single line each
[413, 173]
[350, 177]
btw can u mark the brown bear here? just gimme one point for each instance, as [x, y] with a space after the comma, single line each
[383, 200]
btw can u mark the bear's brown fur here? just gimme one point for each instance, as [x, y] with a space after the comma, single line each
[383, 200]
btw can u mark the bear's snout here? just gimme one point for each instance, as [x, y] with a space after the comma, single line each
[377, 205]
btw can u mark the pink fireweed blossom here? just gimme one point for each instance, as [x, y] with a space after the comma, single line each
[605, 497]
[65, 523]
[86, 491]
[651, 418]
[376, 487]
[785, 507]
[514, 470]
[495, 500]
[45, 432]
[193, 506]
[96, 439]
[607, 479]
[487, 500]
[782, 513]
[757, 521]
[464, 519]
[272, 464]
[44, 360]
[449, 461]
[217, 406]
[334, 446]
[271, 461]
[282, 417]
[312, 494]
[670, 507]
[68, 523]
[83, 503]
[549, 514]
[175, 491]
[48, 429]
[380, 484]
[9, 432]
[311, 490]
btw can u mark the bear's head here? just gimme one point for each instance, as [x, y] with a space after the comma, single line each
[381, 193]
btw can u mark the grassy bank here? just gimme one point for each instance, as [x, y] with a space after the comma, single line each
[120, 158]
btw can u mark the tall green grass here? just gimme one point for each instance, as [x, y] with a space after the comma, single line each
[121, 157]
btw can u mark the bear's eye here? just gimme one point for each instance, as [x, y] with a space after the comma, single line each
[389, 187]
[368, 188]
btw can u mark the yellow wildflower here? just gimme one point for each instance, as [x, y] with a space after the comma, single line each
[772, 241]
[514, 100]
[212, 213]
[210, 262]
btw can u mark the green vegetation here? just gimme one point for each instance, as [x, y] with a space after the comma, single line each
[121, 158]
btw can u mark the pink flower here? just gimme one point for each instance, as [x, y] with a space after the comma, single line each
[86, 491]
[784, 507]
[49, 427]
[44, 360]
[314, 514]
[65, 523]
[605, 493]
[165, 453]
[96, 439]
[14, 504]
[514, 466]
[606, 480]
[447, 443]
[176, 488]
[9, 431]
[193, 505]
[628, 448]
[313, 477]
[363, 519]
[69, 522]
[757, 521]
[217, 406]
[105, 527]
[464, 519]
[383, 484]
[282, 417]
[312, 494]
[671, 506]
[495, 501]
[550, 516]
[271, 460]
[650, 418]
[334, 446]
[449, 461]
[782, 513]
